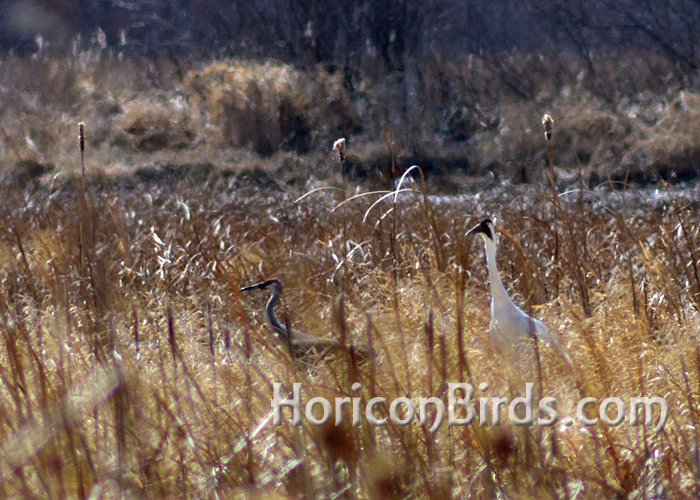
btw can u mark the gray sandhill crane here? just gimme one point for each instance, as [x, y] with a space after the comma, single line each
[510, 325]
[302, 344]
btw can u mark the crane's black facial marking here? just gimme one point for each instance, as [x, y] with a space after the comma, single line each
[260, 286]
[268, 283]
[485, 226]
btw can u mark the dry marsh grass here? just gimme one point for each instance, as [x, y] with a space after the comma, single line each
[270, 105]
[131, 366]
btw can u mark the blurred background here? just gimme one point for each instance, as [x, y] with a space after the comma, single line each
[398, 31]
[456, 86]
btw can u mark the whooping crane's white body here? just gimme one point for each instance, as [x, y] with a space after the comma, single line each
[510, 325]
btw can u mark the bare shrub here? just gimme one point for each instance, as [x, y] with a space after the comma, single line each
[668, 148]
[155, 124]
[270, 106]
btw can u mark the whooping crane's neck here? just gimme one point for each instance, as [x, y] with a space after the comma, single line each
[498, 291]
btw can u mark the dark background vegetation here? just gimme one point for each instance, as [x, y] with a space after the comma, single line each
[314, 31]
[454, 86]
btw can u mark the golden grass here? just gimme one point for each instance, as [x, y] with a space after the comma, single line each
[131, 365]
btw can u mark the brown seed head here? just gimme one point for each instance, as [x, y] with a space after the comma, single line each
[502, 445]
[338, 442]
[82, 136]
[547, 123]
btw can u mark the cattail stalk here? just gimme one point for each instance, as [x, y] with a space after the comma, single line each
[210, 331]
[81, 137]
[171, 330]
[227, 342]
[548, 125]
[135, 317]
[339, 146]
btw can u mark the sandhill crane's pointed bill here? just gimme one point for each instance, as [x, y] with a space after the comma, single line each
[301, 345]
[259, 286]
[484, 226]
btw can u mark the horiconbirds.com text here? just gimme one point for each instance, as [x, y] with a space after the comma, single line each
[460, 411]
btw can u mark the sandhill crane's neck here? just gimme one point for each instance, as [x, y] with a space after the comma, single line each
[270, 313]
[498, 291]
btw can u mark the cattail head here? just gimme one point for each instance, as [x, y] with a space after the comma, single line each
[82, 136]
[339, 146]
[338, 442]
[547, 123]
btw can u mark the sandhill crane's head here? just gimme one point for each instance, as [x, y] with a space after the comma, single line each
[274, 286]
[486, 229]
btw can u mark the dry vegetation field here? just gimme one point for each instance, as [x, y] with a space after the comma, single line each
[132, 367]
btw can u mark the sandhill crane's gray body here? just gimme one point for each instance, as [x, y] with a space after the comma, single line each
[300, 343]
[510, 325]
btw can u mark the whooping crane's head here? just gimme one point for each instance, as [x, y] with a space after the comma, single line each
[486, 229]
